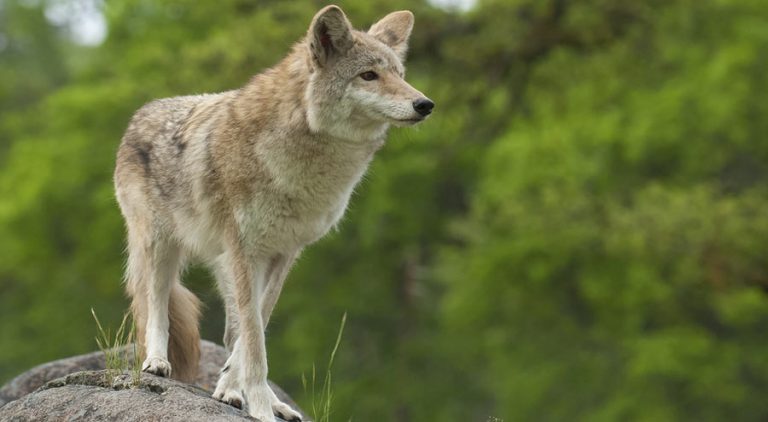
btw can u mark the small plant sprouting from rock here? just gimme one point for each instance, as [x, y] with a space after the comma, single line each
[321, 402]
[115, 348]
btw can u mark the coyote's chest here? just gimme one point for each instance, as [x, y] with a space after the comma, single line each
[283, 221]
[302, 203]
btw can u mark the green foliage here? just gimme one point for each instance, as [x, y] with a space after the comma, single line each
[578, 233]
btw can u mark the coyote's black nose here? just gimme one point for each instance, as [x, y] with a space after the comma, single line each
[423, 106]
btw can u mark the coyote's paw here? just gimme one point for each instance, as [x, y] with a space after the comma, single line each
[230, 397]
[286, 412]
[158, 366]
[283, 410]
[259, 402]
[228, 391]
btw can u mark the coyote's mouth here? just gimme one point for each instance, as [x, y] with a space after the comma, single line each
[412, 121]
[403, 122]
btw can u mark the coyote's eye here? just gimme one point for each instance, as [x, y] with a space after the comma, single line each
[369, 75]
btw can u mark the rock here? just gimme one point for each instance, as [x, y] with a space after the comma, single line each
[66, 393]
[91, 396]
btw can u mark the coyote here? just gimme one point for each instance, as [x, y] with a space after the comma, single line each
[244, 180]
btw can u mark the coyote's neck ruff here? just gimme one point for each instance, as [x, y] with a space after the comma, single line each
[245, 180]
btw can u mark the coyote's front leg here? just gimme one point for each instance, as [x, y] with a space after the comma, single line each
[279, 266]
[243, 379]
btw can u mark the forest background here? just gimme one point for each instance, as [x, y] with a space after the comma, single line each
[578, 233]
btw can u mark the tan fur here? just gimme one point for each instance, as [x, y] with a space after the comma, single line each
[244, 180]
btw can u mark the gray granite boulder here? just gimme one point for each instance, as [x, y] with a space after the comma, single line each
[92, 396]
[77, 388]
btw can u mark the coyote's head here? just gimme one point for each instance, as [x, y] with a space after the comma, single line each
[356, 87]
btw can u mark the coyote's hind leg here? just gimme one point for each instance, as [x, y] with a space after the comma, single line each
[153, 267]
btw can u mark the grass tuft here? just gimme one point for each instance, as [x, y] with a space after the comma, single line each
[114, 346]
[322, 401]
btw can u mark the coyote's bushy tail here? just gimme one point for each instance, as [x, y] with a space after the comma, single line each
[183, 331]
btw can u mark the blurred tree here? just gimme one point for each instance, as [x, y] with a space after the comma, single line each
[30, 55]
[615, 231]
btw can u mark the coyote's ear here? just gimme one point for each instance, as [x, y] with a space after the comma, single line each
[330, 34]
[394, 30]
